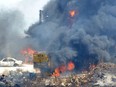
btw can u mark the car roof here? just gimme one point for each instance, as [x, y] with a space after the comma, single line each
[9, 58]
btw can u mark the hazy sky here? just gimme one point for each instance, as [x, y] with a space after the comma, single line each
[30, 8]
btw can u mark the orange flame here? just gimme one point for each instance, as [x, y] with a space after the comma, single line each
[56, 72]
[63, 68]
[72, 13]
[28, 53]
[31, 51]
[71, 66]
[59, 70]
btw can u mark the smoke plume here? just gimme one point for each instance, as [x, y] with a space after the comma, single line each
[11, 23]
[86, 38]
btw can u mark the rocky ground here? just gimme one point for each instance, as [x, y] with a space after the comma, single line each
[102, 75]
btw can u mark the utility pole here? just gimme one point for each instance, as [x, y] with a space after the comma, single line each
[40, 16]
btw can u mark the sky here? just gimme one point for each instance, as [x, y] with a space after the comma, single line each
[30, 8]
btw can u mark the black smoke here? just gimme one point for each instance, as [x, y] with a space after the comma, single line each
[88, 37]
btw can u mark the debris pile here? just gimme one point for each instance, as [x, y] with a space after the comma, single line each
[102, 75]
[71, 81]
[14, 79]
[105, 75]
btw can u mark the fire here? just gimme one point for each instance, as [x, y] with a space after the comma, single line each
[56, 72]
[28, 53]
[72, 13]
[59, 70]
[71, 66]
[31, 51]
[63, 68]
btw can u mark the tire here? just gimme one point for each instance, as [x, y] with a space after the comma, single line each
[15, 64]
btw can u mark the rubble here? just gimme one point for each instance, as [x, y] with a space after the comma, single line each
[103, 75]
